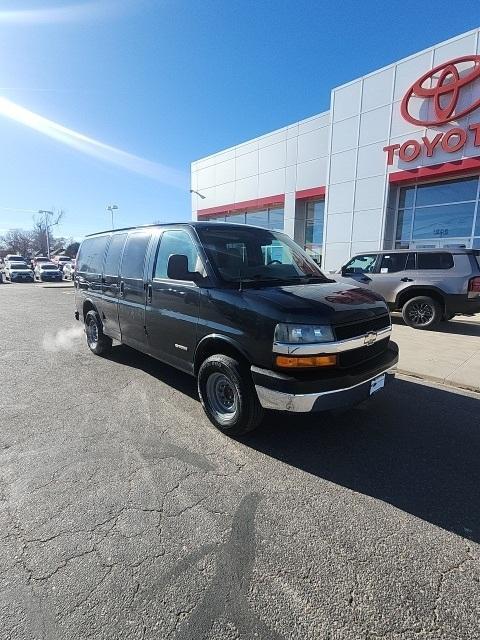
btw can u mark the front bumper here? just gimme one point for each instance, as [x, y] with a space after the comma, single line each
[15, 278]
[338, 390]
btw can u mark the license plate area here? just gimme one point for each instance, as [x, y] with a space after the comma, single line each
[377, 383]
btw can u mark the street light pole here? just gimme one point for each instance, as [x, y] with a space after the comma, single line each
[112, 208]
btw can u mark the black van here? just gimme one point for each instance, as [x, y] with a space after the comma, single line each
[244, 309]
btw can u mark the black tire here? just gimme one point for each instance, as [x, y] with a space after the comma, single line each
[422, 312]
[97, 341]
[228, 395]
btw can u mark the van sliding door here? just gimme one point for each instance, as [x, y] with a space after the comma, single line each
[131, 295]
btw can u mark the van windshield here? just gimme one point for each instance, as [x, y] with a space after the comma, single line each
[252, 255]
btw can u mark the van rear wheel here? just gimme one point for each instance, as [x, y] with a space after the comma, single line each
[422, 312]
[97, 341]
[228, 395]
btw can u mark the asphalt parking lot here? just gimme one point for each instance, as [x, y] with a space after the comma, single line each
[125, 514]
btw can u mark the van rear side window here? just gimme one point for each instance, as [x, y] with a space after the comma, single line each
[112, 261]
[92, 252]
[434, 261]
[134, 255]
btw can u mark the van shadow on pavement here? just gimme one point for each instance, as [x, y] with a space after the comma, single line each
[414, 447]
[169, 375]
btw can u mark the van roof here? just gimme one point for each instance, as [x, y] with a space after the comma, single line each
[193, 223]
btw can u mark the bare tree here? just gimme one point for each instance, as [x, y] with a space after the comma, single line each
[17, 241]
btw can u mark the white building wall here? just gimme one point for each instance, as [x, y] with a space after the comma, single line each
[282, 162]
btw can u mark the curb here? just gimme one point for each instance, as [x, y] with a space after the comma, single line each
[443, 381]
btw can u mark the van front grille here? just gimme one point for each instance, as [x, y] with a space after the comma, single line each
[346, 331]
[362, 354]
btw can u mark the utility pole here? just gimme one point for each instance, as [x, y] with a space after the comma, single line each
[47, 225]
[112, 208]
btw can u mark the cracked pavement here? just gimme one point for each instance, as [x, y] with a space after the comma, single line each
[125, 514]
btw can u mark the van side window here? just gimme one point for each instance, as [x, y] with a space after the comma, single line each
[177, 242]
[92, 251]
[134, 255]
[434, 261]
[112, 261]
[394, 262]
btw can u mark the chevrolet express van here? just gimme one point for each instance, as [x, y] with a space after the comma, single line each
[243, 309]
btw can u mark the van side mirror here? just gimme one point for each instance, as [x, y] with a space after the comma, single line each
[177, 268]
[344, 270]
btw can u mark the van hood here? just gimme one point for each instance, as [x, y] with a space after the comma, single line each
[329, 302]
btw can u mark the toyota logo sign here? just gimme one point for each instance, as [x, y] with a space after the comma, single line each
[442, 87]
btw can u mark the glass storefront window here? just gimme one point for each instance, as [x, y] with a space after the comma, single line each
[404, 225]
[437, 214]
[315, 213]
[276, 219]
[449, 191]
[236, 218]
[450, 220]
[272, 218]
[406, 197]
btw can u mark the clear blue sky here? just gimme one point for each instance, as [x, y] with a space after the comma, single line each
[173, 80]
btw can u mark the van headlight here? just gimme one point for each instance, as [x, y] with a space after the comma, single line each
[303, 333]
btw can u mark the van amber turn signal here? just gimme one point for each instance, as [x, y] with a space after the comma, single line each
[304, 362]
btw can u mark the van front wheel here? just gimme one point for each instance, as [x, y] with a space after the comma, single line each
[228, 395]
[97, 341]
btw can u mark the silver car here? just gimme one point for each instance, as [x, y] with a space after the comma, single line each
[47, 272]
[427, 286]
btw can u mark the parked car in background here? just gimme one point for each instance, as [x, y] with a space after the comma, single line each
[60, 261]
[13, 257]
[39, 260]
[68, 271]
[426, 285]
[241, 308]
[47, 272]
[18, 272]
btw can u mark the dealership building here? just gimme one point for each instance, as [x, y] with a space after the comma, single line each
[395, 162]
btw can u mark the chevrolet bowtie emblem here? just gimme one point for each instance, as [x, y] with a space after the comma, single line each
[370, 338]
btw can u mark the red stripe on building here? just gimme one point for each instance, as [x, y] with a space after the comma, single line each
[246, 205]
[310, 193]
[456, 167]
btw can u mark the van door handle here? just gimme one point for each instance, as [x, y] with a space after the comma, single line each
[149, 293]
[121, 291]
[406, 279]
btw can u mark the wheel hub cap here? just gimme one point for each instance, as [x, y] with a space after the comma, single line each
[420, 313]
[222, 396]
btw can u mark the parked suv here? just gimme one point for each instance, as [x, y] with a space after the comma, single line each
[427, 286]
[243, 309]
